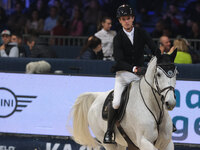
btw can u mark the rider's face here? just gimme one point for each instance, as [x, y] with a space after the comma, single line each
[127, 22]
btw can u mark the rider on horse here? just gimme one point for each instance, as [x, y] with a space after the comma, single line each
[129, 46]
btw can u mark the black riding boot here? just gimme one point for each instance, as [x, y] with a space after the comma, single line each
[109, 136]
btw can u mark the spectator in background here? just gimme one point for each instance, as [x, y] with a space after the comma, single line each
[8, 49]
[51, 20]
[195, 33]
[164, 44]
[58, 30]
[39, 48]
[3, 18]
[92, 50]
[17, 20]
[158, 31]
[183, 56]
[174, 18]
[17, 38]
[76, 23]
[41, 8]
[106, 35]
[34, 24]
[91, 16]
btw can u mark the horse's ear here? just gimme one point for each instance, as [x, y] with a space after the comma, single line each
[173, 54]
[158, 53]
[151, 70]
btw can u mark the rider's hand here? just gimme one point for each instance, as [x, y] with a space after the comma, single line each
[140, 71]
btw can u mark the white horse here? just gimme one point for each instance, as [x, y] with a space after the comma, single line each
[146, 121]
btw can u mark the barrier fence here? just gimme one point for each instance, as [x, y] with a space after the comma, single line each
[80, 40]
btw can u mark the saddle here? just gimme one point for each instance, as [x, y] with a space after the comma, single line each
[122, 109]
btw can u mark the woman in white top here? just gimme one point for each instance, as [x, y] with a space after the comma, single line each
[106, 35]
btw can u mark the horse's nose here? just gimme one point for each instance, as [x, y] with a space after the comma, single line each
[169, 105]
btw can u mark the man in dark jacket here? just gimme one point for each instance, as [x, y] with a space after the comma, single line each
[39, 48]
[129, 46]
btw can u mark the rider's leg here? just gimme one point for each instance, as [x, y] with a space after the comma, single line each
[122, 79]
[109, 136]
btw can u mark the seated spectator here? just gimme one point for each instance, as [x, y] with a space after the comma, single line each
[8, 49]
[195, 33]
[183, 56]
[173, 18]
[34, 24]
[17, 38]
[51, 20]
[106, 35]
[76, 24]
[92, 49]
[59, 29]
[158, 31]
[17, 20]
[164, 44]
[91, 16]
[38, 48]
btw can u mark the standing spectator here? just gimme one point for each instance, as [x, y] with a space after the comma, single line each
[50, 22]
[106, 35]
[164, 44]
[76, 23]
[92, 50]
[8, 49]
[34, 24]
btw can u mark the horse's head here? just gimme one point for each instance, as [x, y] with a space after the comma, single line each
[162, 74]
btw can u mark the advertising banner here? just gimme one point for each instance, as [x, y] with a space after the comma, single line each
[41, 104]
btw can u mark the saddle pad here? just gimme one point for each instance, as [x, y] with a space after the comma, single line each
[122, 109]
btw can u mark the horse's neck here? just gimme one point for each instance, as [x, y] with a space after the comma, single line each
[150, 97]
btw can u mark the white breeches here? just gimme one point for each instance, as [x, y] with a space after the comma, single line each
[122, 79]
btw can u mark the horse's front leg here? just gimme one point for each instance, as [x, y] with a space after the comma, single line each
[170, 146]
[146, 145]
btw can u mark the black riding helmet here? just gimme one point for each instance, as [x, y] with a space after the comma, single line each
[125, 10]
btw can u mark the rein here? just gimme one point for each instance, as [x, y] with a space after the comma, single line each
[158, 91]
[158, 122]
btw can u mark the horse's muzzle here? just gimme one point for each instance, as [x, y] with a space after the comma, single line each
[170, 105]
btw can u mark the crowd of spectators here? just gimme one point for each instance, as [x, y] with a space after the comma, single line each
[81, 18]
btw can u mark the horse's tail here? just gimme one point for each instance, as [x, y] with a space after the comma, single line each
[81, 131]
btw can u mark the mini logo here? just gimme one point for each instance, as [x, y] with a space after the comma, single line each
[11, 103]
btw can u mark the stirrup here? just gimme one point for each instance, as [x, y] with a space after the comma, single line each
[109, 138]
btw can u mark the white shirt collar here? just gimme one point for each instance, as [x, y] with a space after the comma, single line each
[129, 33]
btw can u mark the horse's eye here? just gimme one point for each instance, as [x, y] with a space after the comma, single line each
[158, 74]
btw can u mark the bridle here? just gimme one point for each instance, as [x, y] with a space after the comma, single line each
[159, 91]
